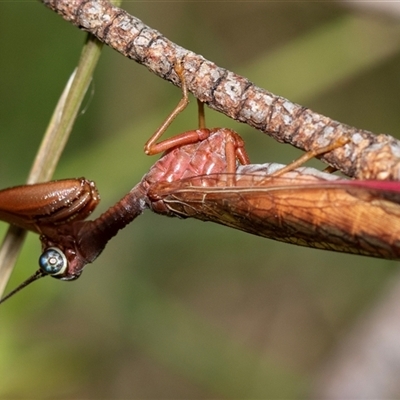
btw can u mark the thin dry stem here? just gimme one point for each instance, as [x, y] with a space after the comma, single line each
[51, 148]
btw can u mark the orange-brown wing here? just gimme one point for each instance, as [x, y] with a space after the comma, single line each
[338, 215]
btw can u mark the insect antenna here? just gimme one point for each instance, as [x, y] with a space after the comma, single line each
[37, 275]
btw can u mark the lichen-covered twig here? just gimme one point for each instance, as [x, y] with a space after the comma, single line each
[366, 156]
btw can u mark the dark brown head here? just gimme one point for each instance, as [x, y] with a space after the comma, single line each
[62, 258]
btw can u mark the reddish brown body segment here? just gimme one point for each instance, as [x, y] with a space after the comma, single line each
[304, 207]
[51, 203]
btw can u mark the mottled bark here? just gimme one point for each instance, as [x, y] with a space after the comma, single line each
[366, 156]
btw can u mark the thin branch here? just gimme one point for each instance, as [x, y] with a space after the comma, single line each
[52, 146]
[366, 156]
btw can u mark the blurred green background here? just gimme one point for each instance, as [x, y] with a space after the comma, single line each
[184, 309]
